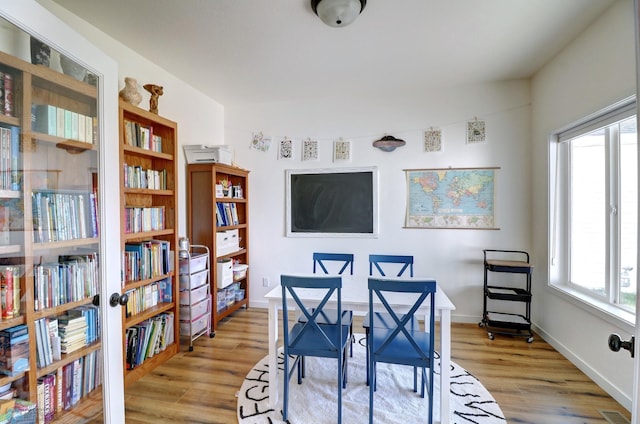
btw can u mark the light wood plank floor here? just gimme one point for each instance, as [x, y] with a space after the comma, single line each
[531, 382]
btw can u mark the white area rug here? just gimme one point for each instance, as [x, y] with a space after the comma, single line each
[315, 400]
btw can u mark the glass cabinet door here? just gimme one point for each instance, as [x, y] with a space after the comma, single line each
[56, 322]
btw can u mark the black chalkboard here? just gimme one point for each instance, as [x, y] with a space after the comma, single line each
[332, 202]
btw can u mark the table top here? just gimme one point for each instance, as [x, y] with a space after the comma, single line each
[355, 294]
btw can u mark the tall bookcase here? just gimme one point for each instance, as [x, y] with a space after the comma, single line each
[49, 238]
[149, 217]
[218, 217]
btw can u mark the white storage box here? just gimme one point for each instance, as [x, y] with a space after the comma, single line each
[197, 326]
[227, 242]
[197, 153]
[196, 295]
[195, 264]
[225, 273]
[187, 313]
[240, 272]
[196, 280]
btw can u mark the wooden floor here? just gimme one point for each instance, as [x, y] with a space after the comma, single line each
[532, 383]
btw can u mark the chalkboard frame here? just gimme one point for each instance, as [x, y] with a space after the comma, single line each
[371, 196]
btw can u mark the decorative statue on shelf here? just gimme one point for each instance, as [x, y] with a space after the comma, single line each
[156, 91]
[130, 91]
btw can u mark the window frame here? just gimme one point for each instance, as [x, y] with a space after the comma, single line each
[560, 213]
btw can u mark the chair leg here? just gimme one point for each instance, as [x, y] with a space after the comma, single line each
[371, 391]
[285, 401]
[341, 382]
[366, 339]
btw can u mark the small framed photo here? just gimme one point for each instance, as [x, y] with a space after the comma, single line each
[309, 150]
[476, 132]
[433, 140]
[285, 148]
[341, 150]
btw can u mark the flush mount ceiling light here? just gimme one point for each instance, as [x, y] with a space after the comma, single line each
[338, 13]
[388, 143]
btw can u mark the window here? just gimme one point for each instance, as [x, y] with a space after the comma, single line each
[595, 203]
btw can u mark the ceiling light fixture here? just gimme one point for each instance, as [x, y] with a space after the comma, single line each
[338, 13]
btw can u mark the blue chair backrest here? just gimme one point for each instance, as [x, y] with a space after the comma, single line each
[345, 258]
[327, 286]
[376, 260]
[425, 291]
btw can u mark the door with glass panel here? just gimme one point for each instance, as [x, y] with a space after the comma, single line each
[55, 91]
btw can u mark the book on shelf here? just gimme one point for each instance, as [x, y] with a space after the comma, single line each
[14, 350]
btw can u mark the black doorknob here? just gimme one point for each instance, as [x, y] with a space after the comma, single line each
[118, 299]
[616, 343]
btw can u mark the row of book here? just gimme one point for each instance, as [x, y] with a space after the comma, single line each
[59, 216]
[10, 291]
[137, 177]
[139, 219]
[7, 103]
[59, 391]
[59, 122]
[142, 298]
[140, 136]
[226, 214]
[64, 334]
[9, 158]
[73, 278]
[146, 259]
[148, 338]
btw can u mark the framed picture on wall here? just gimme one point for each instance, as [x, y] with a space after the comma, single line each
[285, 149]
[309, 150]
[341, 150]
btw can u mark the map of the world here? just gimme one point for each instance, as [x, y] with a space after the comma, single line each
[451, 198]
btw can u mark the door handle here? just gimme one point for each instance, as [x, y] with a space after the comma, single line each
[616, 343]
[118, 299]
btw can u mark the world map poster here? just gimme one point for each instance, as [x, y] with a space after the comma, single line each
[451, 198]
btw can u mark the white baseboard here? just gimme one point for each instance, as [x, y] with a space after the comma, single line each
[598, 378]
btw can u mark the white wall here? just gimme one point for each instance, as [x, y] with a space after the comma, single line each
[596, 70]
[454, 257]
[200, 118]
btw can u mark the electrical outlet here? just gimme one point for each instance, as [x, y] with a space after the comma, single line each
[265, 281]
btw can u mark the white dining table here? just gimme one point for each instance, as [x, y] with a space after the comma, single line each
[355, 297]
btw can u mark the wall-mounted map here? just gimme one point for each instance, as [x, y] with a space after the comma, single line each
[451, 198]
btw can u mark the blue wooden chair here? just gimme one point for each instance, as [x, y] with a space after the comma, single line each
[311, 338]
[328, 263]
[406, 262]
[399, 263]
[343, 260]
[400, 343]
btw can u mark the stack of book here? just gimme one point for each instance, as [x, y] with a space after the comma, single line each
[72, 328]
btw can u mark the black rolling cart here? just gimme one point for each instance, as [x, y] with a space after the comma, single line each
[507, 289]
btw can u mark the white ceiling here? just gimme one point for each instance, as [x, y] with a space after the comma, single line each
[253, 51]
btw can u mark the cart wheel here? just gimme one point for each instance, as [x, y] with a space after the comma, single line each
[212, 335]
[530, 339]
[481, 324]
[490, 336]
[190, 348]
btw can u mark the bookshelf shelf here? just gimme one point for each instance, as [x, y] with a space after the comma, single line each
[205, 227]
[139, 127]
[37, 165]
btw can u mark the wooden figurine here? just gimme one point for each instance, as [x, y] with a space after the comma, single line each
[156, 91]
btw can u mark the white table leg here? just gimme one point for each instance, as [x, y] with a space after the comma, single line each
[273, 353]
[445, 364]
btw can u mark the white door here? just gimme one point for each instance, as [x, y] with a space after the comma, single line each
[635, 408]
[36, 20]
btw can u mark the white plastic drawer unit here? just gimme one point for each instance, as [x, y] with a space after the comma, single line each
[195, 264]
[187, 313]
[196, 295]
[193, 281]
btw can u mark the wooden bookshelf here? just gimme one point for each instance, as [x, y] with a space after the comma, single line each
[55, 163]
[204, 228]
[148, 143]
